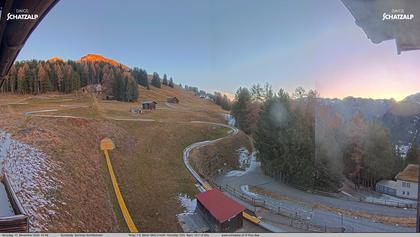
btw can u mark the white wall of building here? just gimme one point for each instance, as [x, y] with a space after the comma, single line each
[406, 189]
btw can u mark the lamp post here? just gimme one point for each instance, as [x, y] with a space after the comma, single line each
[418, 187]
[342, 221]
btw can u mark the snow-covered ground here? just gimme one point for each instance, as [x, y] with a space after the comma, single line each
[230, 119]
[245, 190]
[30, 173]
[187, 203]
[247, 162]
[402, 149]
[244, 159]
[189, 219]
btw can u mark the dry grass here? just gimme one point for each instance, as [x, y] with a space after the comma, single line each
[209, 159]
[24, 103]
[190, 107]
[74, 144]
[151, 171]
[147, 161]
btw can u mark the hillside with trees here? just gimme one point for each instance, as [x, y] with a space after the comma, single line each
[117, 80]
[37, 77]
[300, 141]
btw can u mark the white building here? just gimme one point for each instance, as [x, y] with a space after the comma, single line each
[405, 185]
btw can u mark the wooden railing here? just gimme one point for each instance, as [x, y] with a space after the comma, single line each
[18, 222]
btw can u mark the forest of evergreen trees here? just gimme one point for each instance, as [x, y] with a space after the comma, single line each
[299, 141]
[37, 77]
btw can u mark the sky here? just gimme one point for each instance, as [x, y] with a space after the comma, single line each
[221, 45]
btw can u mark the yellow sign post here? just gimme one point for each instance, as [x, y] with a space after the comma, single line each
[107, 144]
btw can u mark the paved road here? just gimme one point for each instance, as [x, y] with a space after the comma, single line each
[318, 216]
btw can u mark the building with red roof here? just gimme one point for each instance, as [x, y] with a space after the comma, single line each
[222, 213]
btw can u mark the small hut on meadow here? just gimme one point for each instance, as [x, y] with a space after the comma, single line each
[173, 100]
[149, 105]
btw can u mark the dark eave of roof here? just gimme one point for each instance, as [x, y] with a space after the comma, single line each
[14, 33]
[369, 15]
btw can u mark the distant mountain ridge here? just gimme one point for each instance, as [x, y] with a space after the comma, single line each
[401, 118]
[370, 108]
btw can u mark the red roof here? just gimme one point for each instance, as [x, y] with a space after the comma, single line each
[219, 205]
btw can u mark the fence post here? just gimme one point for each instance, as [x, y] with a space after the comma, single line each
[325, 227]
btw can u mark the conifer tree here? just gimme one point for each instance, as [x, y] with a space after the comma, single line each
[156, 80]
[165, 80]
[413, 153]
[171, 83]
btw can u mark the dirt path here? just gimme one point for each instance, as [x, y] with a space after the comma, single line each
[201, 182]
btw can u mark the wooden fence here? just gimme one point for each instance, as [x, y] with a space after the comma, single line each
[293, 218]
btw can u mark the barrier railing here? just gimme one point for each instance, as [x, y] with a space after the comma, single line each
[293, 216]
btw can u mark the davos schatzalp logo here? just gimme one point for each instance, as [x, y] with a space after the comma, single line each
[397, 14]
[21, 14]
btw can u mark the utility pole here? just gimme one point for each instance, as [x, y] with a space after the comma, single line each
[418, 187]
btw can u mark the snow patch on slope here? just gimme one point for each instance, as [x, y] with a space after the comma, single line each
[29, 171]
[187, 203]
[247, 161]
[230, 119]
[245, 190]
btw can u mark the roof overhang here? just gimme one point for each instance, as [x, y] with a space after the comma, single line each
[15, 32]
[388, 20]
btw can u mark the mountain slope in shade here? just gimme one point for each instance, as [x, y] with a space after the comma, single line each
[97, 57]
[401, 118]
[371, 109]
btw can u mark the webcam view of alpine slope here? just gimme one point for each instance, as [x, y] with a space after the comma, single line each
[209, 116]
